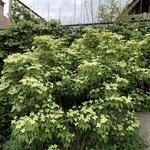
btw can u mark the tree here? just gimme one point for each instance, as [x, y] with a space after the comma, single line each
[110, 10]
[81, 97]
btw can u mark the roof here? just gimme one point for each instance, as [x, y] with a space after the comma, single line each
[135, 7]
[142, 5]
[1, 2]
[132, 4]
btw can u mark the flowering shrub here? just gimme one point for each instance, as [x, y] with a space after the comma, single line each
[82, 97]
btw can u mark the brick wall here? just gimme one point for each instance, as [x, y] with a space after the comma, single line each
[3, 20]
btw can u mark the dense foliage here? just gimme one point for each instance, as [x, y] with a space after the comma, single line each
[60, 95]
[80, 97]
[19, 38]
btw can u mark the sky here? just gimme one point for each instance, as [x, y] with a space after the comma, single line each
[65, 10]
[68, 11]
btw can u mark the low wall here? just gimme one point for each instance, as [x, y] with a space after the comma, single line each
[144, 119]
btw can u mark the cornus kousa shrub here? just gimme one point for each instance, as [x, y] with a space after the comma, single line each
[77, 98]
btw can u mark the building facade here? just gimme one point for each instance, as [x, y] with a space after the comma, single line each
[4, 21]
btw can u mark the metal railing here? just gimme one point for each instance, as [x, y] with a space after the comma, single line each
[108, 23]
